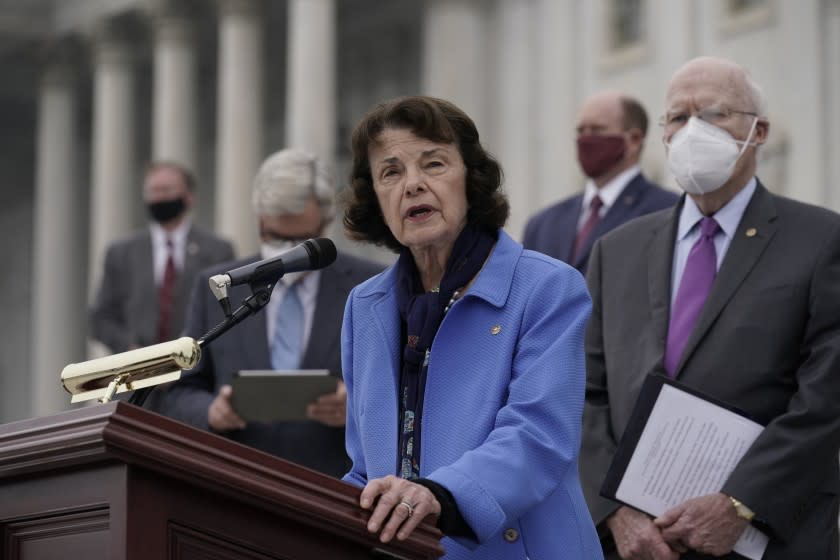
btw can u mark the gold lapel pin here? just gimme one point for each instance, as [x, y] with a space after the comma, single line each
[751, 232]
[496, 329]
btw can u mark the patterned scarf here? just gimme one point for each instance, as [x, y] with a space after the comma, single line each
[422, 313]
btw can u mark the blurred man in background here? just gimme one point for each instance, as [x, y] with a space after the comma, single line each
[145, 285]
[611, 130]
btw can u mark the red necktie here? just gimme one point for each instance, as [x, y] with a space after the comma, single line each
[589, 225]
[165, 294]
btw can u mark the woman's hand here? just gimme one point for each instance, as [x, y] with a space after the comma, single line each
[401, 506]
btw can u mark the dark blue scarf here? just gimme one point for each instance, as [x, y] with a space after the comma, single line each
[422, 313]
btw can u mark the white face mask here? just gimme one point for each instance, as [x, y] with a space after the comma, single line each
[702, 156]
[271, 249]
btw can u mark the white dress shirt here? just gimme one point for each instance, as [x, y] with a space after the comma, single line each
[160, 252]
[608, 194]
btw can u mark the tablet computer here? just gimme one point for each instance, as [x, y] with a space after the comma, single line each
[271, 395]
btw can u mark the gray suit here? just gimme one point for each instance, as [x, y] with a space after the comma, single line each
[246, 347]
[767, 341]
[125, 311]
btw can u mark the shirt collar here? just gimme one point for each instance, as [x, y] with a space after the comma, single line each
[728, 217]
[178, 235]
[612, 190]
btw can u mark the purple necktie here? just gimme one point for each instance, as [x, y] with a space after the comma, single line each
[585, 231]
[698, 276]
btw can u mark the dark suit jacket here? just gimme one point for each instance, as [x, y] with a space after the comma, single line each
[125, 310]
[246, 347]
[553, 230]
[767, 341]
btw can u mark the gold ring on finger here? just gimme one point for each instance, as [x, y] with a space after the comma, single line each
[409, 506]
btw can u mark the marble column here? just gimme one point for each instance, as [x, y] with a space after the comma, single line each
[59, 256]
[311, 79]
[831, 93]
[114, 180]
[455, 56]
[175, 97]
[515, 135]
[239, 144]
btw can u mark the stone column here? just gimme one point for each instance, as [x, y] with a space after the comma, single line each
[114, 180]
[831, 93]
[515, 136]
[455, 56]
[556, 174]
[175, 98]
[311, 80]
[59, 257]
[239, 148]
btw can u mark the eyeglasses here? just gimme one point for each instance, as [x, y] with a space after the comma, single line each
[672, 120]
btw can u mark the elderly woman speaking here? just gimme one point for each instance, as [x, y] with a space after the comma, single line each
[463, 361]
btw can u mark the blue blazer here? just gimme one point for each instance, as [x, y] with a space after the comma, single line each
[502, 411]
[552, 230]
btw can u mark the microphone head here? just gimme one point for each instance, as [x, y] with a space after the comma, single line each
[322, 252]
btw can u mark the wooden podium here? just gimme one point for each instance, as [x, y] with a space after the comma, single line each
[117, 482]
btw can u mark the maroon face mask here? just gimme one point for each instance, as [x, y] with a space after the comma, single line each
[597, 153]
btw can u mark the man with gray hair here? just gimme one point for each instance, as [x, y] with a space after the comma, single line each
[293, 201]
[735, 293]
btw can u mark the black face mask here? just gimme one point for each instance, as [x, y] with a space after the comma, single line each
[165, 210]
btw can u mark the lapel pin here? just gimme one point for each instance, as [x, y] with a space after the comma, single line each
[751, 232]
[496, 329]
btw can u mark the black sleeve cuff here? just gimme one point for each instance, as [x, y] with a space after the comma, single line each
[451, 523]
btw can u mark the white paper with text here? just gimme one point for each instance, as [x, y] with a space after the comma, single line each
[687, 449]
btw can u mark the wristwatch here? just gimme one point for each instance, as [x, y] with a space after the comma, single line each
[743, 511]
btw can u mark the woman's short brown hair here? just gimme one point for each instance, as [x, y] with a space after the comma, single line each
[436, 120]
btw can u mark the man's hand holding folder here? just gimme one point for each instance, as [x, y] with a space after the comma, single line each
[707, 524]
[678, 450]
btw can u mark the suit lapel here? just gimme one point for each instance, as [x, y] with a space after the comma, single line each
[742, 255]
[191, 264]
[568, 231]
[326, 321]
[148, 289]
[619, 212]
[183, 283]
[253, 333]
[660, 259]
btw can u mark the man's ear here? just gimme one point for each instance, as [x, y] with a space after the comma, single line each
[636, 139]
[762, 131]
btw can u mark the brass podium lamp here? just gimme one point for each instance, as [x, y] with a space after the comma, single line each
[103, 378]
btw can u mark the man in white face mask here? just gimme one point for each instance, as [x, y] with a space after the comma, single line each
[292, 201]
[735, 293]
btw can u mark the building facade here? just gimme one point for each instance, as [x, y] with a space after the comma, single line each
[92, 89]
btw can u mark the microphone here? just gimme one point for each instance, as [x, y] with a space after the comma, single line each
[312, 254]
